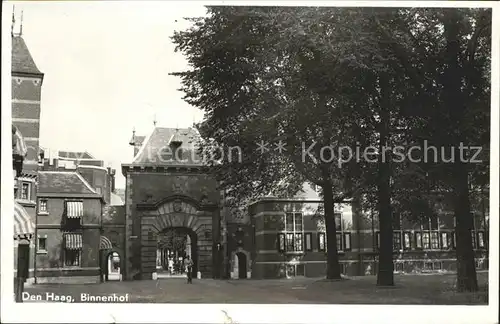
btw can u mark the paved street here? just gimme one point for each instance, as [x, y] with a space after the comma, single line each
[410, 289]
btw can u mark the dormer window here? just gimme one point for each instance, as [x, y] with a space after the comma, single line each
[175, 140]
[175, 143]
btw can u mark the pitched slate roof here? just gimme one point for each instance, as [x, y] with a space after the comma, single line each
[157, 150]
[22, 61]
[75, 155]
[64, 182]
[70, 155]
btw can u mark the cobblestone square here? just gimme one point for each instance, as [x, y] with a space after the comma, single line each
[409, 289]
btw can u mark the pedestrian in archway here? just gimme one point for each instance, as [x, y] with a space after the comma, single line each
[188, 263]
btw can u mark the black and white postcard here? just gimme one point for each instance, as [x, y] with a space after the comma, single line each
[250, 161]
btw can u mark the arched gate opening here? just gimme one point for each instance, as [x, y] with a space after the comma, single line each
[174, 244]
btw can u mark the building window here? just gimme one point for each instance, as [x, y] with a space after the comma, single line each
[321, 242]
[15, 192]
[294, 232]
[396, 241]
[72, 258]
[74, 214]
[25, 191]
[407, 241]
[377, 242]
[289, 242]
[434, 240]
[73, 223]
[73, 243]
[480, 240]
[299, 244]
[426, 241]
[418, 240]
[473, 237]
[453, 240]
[42, 244]
[42, 206]
[347, 241]
[308, 241]
[340, 246]
[281, 242]
[445, 240]
[431, 238]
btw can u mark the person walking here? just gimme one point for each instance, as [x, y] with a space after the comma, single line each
[171, 266]
[188, 263]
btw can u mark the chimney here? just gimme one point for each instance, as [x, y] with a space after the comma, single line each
[133, 142]
[112, 174]
[50, 157]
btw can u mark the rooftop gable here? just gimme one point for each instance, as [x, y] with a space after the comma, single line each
[157, 149]
[22, 61]
[76, 155]
[64, 182]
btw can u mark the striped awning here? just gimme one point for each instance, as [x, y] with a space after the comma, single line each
[105, 243]
[73, 241]
[18, 145]
[74, 209]
[24, 228]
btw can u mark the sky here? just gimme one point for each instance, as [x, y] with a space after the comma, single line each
[106, 67]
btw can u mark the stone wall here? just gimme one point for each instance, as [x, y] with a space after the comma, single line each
[130, 257]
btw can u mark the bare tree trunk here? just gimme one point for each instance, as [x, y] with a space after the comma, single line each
[385, 276]
[386, 267]
[333, 267]
[466, 265]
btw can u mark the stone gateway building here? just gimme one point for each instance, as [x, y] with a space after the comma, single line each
[169, 191]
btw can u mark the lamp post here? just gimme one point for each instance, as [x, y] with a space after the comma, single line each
[36, 232]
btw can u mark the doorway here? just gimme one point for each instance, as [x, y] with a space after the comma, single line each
[173, 246]
[242, 265]
[113, 266]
